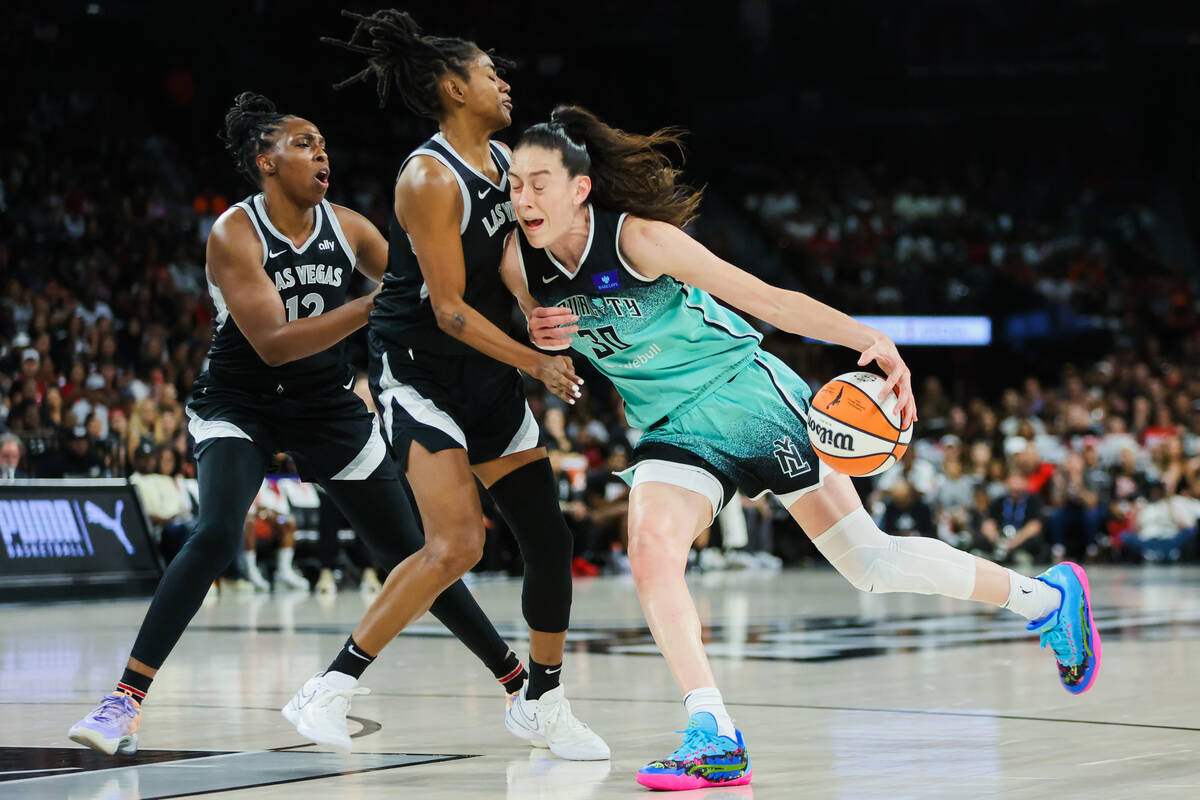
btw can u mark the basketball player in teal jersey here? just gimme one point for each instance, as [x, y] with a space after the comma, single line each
[601, 264]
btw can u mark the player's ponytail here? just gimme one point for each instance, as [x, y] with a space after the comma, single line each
[629, 172]
[400, 58]
[250, 128]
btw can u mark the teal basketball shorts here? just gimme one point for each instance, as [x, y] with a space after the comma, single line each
[749, 435]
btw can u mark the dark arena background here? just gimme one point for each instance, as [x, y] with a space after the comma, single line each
[1008, 190]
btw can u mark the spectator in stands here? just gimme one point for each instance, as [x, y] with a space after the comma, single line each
[1013, 528]
[270, 523]
[81, 457]
[1079, 498]
[11, 452]
[952, 501]
[1166, 525]
[165, 501]
[607, 499]
[906, 513]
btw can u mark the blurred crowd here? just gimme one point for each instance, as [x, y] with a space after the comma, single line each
[105, 322]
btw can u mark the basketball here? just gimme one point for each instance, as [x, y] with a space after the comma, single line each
[852, 431]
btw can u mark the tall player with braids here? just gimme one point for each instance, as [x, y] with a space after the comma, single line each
[444, 373]
[601, 254]
[279, 265]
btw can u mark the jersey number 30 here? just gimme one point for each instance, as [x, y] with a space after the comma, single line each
[314, 304]
[605, 341]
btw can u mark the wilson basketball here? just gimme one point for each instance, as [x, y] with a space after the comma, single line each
[852, 431]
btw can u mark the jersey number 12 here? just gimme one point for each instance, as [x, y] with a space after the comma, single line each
[312, 301]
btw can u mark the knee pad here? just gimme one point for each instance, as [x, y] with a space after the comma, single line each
[527, 498]
[876, 562]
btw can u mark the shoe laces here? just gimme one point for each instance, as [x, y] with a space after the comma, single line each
[1060, 640]
[330, 696]
[114, 706]
[696, 742]
[560, 718]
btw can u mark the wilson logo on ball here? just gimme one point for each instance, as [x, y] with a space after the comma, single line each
[829, 437]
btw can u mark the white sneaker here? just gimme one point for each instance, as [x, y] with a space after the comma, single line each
[291, 579]
[548, 722]
[370, 581]
[712, 559]
[319, 709]
[255, 578]
[325, 582]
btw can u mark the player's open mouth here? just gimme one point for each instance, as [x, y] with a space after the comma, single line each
[533, 224]
[323, 178]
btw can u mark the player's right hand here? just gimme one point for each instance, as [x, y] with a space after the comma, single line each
[551, 328]
[558, 373]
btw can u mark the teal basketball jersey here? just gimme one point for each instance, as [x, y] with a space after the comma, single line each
[664, 345]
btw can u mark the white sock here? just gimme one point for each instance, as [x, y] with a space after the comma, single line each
[1031, 598]
[283, 558]
[708, 698]
[251, 559]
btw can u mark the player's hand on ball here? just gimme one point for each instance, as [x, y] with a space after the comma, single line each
[558, 373]
[551, 328]
[899, 379]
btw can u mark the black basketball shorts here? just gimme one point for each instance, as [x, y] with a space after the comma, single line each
[331, 435]
[443, 401]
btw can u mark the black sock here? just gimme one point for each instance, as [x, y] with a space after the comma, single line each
[134, 683]
[351, 660]
[542, 678]
[511, 674]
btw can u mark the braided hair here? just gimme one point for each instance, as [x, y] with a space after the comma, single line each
[403, 59]
[250, 128]
[629, 172]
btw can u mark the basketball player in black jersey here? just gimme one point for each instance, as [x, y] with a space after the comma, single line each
[444, 372]
[279, 265]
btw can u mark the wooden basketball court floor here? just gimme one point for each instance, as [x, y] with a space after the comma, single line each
[840, 695]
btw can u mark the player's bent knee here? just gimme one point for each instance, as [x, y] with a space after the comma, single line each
[451, 558]
[875, 562]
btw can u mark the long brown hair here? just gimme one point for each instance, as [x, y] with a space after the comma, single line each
[629, 171]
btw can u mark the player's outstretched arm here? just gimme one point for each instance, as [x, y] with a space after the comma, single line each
[429, 207]
[234, 257]
[658, 248]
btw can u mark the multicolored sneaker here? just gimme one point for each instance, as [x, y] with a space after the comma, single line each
[704, 759]
[1070, 631]
[112, 726]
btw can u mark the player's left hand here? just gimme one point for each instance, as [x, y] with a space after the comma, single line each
[552, 328]
[899, 379]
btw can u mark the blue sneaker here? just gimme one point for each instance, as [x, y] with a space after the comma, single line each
[704, 759]
[1070, 631]
[112, 726]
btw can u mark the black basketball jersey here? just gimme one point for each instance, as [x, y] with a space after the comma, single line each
[311, 279]
[403, 315]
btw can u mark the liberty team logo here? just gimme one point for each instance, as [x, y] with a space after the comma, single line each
[790, 460]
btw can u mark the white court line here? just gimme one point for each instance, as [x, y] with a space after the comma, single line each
[25, 771]
[1132, 758]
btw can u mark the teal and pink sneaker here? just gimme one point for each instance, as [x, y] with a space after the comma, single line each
[704, 759]
[112, 726]
[1070, 631]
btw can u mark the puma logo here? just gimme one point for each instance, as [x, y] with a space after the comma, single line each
[97, 516]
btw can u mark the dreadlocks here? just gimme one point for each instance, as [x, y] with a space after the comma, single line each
[403, 59]
[250, 128]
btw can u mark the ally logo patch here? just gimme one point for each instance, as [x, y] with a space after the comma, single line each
[607, 281]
